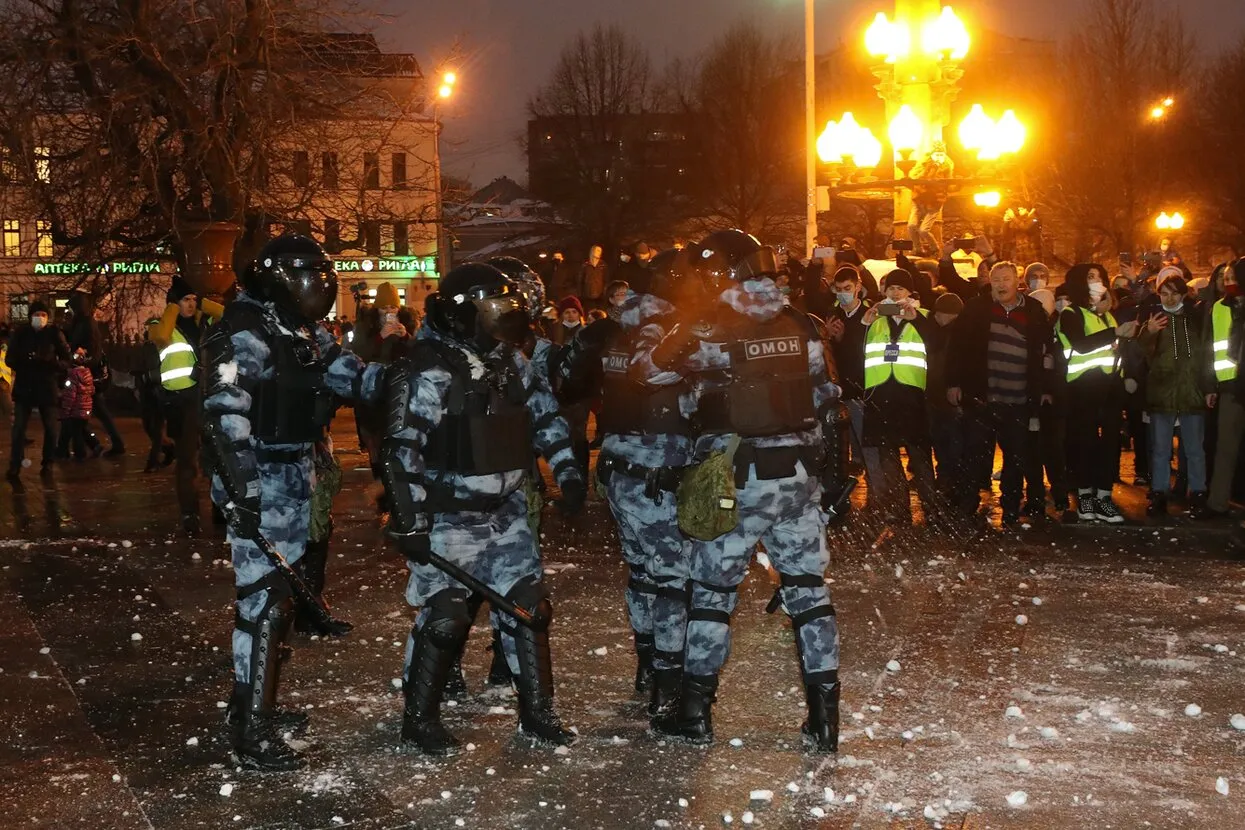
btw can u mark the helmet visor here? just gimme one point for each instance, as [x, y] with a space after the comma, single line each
[504, 318]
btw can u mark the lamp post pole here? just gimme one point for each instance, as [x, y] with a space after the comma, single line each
[810, 131]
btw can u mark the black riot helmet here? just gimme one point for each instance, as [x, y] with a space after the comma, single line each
[674, 279]
[531, 286]
[724, 257]
[295, 274]
[479, 306]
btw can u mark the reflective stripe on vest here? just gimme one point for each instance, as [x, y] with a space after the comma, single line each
[6, 374]
[909, 366]
[177, 364]
[1102, 357]
[1221, 323]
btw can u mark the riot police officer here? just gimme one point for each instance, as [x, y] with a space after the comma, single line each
[271, 374]
[465, 408]
[648, 443]
[760, 374]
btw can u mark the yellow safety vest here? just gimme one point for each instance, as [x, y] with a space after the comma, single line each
[1102, 357]
[1221, 323]
[903, 360]
[177, 364]
[6, 374]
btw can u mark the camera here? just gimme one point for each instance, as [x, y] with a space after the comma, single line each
[902, 244]
[889, 309]
[358, 291]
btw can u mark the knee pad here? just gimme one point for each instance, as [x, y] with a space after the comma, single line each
[448, 619]
[532, 593]
[278, 607]
[712, 603]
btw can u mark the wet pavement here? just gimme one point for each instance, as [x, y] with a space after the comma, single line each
[1057, 662]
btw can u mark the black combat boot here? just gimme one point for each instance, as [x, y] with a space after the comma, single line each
[499, 669]
[665, 693]
[423, 689]
[285, 720]
[257, 741]
[821, 730]
[692, 719]
[534, 684]
[643, 662]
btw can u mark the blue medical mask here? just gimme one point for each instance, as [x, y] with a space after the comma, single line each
[845, 298]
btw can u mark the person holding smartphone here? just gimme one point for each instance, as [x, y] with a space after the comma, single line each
[896, 366]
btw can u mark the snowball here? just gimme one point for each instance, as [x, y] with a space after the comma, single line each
[601, 652]
[1037, 600]
[192, 742]
[1237, 721]
[907, 735]
[1123, 726]
[727, 818]
[490, 771]
[1050, 733]
[893, 665]
[195, 556]
[136, 637]
[445, 794]
[396, 682]
[1193, 710]
[1221, 785]
[683, 802]
[850, 798]
[759, 795]
[1201, 600]
[747, 817]
[45, 650]
[562, 750]
[1014, 712]
[226, 790]
[829, 794]
[817, 812]
[1017, 798]
[126, 543]
[737, 742]
[1021, 619]
[793, 787]
[116, 779]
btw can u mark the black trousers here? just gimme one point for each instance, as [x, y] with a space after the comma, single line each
[1094, 416]
[1008, 426]
[21, 417]
[182, 416]
[100, 410]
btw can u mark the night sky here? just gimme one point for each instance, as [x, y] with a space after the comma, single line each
[511, 46]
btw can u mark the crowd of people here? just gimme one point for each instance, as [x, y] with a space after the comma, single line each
[733, 395]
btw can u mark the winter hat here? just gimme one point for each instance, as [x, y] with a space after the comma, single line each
[1036, 270]
[179, 289]
[1167, 273]
[38, 307]
[571, 302]
[897, 277]
[949, 304]
[386, 296]
[1046, 297]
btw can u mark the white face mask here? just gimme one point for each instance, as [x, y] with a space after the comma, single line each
[38, 321]
[1097, 291]
[1036, 283]
[1172, 309]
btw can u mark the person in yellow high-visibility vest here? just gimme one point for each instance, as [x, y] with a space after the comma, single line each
[896, 365]
[177, 335]
[1231, 405]
[1087, 334]
[6, 378]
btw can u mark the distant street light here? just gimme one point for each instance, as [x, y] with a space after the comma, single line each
[1164, 222]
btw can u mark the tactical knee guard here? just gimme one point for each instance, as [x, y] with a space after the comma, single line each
[437, 643]
[534, 682]
[268, 632]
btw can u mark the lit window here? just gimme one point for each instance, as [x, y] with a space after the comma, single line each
[12, 237]
[43, 164]
[43, 233]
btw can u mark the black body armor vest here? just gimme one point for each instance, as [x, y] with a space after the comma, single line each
[770, 391]
[629, 407]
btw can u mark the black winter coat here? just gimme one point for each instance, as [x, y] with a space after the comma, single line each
[970, 342]
[37, 359]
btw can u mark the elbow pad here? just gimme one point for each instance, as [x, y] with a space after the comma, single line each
[239, 478]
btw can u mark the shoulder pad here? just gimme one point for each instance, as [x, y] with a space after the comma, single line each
[422, 355]
[243, 317]
[804, 321]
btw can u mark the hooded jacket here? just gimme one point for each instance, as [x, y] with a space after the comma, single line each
[1180, 358]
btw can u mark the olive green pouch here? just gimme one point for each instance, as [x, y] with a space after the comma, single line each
[706, 495]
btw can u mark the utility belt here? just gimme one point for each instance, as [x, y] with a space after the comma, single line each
[656, 479]
[776, 462]
[264, 455]
[438, 498]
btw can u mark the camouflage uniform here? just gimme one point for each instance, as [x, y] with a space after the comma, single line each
[237, 370]
[778, 507]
